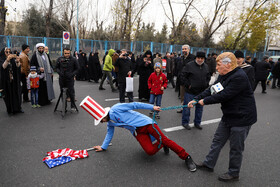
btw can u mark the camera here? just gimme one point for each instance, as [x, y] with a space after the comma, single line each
[126, 54]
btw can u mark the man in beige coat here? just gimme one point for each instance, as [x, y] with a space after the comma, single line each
[25, 68]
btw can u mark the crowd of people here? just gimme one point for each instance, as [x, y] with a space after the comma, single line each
[229, 79]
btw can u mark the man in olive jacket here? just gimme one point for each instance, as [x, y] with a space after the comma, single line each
[239, 114]
[107, 69]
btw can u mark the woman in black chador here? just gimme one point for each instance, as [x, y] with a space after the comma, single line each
[145, 68]
[95, 67]
[10, 80]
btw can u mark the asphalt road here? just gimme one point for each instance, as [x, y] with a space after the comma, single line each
[25, 139]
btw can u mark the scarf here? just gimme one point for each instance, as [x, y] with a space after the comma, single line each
[41, 63]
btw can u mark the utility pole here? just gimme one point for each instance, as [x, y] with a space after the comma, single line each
[77, 36]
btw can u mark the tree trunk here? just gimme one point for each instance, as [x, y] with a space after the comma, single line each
[3, 12]
[48, 19]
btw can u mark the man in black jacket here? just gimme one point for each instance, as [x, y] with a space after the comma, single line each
[185, 59]
[249, 70]
[124, 65]
[195, 77]
[239, 114]
[261, 72]
[67, 67]
[276, 74]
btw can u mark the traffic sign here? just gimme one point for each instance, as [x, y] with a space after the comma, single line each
[66, 37]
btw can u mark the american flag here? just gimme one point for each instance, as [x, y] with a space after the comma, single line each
[62, 156]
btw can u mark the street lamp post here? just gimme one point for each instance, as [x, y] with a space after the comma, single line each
[77, 36]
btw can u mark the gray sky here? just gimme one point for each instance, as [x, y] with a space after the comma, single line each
[153, 13]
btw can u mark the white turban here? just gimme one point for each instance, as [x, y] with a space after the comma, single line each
[40, 45]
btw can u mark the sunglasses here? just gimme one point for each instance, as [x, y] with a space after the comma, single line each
[8, 52]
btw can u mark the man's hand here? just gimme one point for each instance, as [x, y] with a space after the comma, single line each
[157, 108]
[42, 69]
[191, 104]
[201, 102]
[98, 148]
[129, 73]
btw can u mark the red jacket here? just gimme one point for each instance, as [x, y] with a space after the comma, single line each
[156, 82]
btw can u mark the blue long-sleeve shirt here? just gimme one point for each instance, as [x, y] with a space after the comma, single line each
[122, 115]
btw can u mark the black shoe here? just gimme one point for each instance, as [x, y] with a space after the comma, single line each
[166, 150]
[227, 178]
[190, 164]
[114, 90]
[198, 126]
[186, 126]
[264, 92]
[202, 166]
[101, 88]
[179, 111]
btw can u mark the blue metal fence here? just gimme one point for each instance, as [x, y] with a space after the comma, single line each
[137, 47]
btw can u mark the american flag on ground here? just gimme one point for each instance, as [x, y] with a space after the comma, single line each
[62, 156]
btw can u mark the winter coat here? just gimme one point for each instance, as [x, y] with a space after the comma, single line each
[155, 82]
[181, 64]
[276, 70]
[69, 71]
[237, 99]
[195, 77]
[108, 65]
[124, 66]
[25, 64]
[261, 70]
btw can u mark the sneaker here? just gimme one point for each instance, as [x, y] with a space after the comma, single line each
[202, 166]
[33, 106]
[157, 116]
[190, 164]
[114, 90]
[101, 88]
[228, 178]
[198, 126]
[166, 150]
[38, 106]
[73, 109]
[186, 126]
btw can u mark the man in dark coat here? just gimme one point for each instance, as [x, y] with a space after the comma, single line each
[145, 69]
[249, 70]
[195, 77]
[124, 65]
[261, 72]
[10, 80]
[239, 114]
[211, 62]
[276, 74]
[186, 58]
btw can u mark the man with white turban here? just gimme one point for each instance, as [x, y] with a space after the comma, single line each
[42, 63]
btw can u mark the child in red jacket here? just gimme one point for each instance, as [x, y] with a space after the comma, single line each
[157, 82]
[33, 86]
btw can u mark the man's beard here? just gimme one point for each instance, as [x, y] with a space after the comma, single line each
[41, 52]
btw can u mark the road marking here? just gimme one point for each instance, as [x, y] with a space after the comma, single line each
[171, 129]
[116, 99]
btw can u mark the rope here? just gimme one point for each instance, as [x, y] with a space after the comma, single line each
[163, 109]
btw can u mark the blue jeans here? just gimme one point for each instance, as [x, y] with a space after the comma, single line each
[34, 93]
[156, 98]
[186, 111]
[236, 137]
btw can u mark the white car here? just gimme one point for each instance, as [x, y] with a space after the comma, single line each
[274, 58]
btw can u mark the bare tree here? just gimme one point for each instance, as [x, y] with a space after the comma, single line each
[3, 11]
[176, 26]
[126, 13]
[218, 19]
[48, 19]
